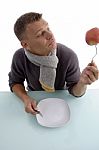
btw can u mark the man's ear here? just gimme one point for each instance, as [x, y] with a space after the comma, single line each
[24, 44]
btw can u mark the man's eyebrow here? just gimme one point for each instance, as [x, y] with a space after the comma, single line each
[40, 29]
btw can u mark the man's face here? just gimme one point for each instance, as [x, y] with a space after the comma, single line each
[39, 39]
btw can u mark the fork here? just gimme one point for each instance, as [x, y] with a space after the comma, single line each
[95, 53]
[38, 112]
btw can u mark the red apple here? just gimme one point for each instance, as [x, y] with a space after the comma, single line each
[92, 36]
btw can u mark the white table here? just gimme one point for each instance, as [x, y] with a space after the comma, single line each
[20, 130]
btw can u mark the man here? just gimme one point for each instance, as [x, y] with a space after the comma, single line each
[45, 64]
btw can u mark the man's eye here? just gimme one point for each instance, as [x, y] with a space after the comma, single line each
[48, 29]
[43, 32]
[40, 34]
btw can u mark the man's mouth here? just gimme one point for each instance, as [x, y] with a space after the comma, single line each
[52, 43]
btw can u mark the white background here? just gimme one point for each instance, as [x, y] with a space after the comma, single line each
[68, 19]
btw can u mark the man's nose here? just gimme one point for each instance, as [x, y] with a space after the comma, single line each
[48, 35]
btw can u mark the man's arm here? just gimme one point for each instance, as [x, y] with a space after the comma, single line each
[29, 103]
[17, 78]
[79, 89]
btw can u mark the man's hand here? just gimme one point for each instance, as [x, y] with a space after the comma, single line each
[30, 106]
[90, 74]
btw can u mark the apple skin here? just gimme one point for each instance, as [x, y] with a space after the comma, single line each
[92, 36]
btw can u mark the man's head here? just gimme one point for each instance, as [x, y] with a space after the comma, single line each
[34, 34]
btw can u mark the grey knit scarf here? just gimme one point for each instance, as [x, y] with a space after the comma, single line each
[48, 65]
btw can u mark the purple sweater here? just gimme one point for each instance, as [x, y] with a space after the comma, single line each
[67, 72]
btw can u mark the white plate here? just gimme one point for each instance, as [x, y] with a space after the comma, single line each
[55, 112]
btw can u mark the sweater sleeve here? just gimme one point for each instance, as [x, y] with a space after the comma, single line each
[17, 75]
[73, 72]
